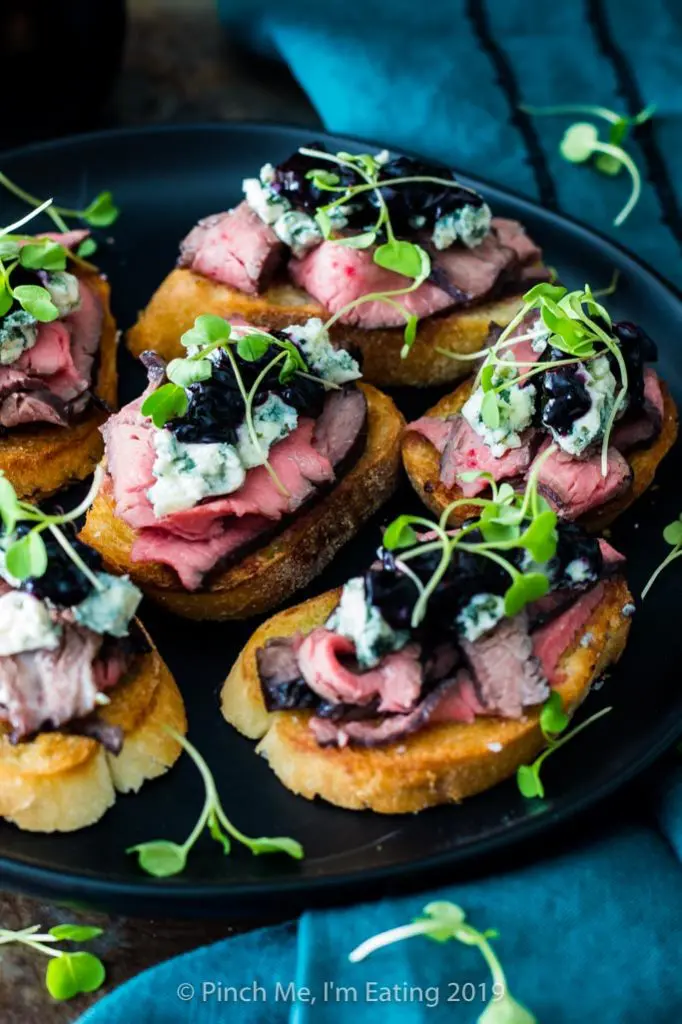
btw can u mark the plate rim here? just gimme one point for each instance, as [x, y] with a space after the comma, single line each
[178, 895]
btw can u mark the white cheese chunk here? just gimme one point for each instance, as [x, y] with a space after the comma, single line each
[481, 614]
[470, 225]
[64, 290]
[26, 625]
[601, 387]
[273, 420]
[356, 618]
[516, 404]
[18, 333]
[335, 365]
[110, 609]
[187, 473]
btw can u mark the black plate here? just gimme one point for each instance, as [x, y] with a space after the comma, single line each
[164, 180]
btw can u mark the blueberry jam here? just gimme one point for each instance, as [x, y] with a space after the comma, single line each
[406, 202]
[468, 574]
[636, 347]
[63, 583]
[564, 397]
[216, 407]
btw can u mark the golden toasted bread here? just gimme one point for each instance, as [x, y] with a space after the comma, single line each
[39, 460]
[422, 462]
[271, 574]
[183, 295]
[60, 782]
[440, 764]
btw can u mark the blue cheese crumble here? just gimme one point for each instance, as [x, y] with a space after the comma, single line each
[18, 333]
[26, 625]
[516, 405]
[295, 228]
[480, 615]
[469, 225]
[185, 474]
[331, 364]
[64, 291]
[601, 387]
[110, 608]
[357, 619]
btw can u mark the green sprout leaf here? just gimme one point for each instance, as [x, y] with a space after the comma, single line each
[27, 557]
[9, 249]
[102, 212]
[526, 588]
[168, 402]
[579, 142]
[324, 222]
[184, 372]
[43, 255]
[401, 257]
[553, 718]
[276, 844]
[253, 347]
[409, 334]
[540, 539]
[75, 932]
[160, 857]
[323, 179]
[506, 1011]
[490, 410]
[71, 974]
[10, 510]
[360, 241]
[528, 781]
[36, 301]
[208, 329]
[399, 534]
[217, 833]
[673, 533]
[88, 247]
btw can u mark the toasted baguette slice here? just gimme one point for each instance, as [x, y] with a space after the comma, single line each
[39, 460]
[183, 295]
[442, 763]
[422, 462]
[271, 574]
[58, 782]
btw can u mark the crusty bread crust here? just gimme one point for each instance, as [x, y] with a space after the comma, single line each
[440, 764]
[422, 462]
[58, 782]
[183, 295]
[271, 574]
[41, 459]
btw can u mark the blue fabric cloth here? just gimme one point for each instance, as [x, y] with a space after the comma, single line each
[590, 936]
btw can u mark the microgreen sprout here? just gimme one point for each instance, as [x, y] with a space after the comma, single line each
[553, 722]
[442, 921]
[581, 142]
[163, 858]
[400, 256]
[68, 974]
[507, 521]
[101, 212]
[209, 334]
[26, 557]
[672, 535]
[572, 323]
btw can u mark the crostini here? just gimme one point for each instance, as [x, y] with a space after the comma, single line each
[363, 242]
[57, 363]
[563, 394]
[85, 698]
[422, 681]
[243, 469]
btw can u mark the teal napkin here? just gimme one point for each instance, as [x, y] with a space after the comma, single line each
[590, 937]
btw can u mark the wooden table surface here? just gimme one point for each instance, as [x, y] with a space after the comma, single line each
[164, 79]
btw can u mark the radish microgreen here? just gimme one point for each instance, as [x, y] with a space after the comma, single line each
[581, 143]
[507, 521]
[553, 722]
[101, 212]
[26, 557]
[163, 858]
[68, 974]
[672, 535]
[443, 921]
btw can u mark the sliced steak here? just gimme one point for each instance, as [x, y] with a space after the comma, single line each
[50, 687]
[550, 642]
[435, 430]
[466, 451]
[35, 406]
[281, 683]
[341, 422]
[508, 677]
[396, 681]
[512, 234]
[454, 700]
[643, 425]
[576, 486]
[235, 248]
